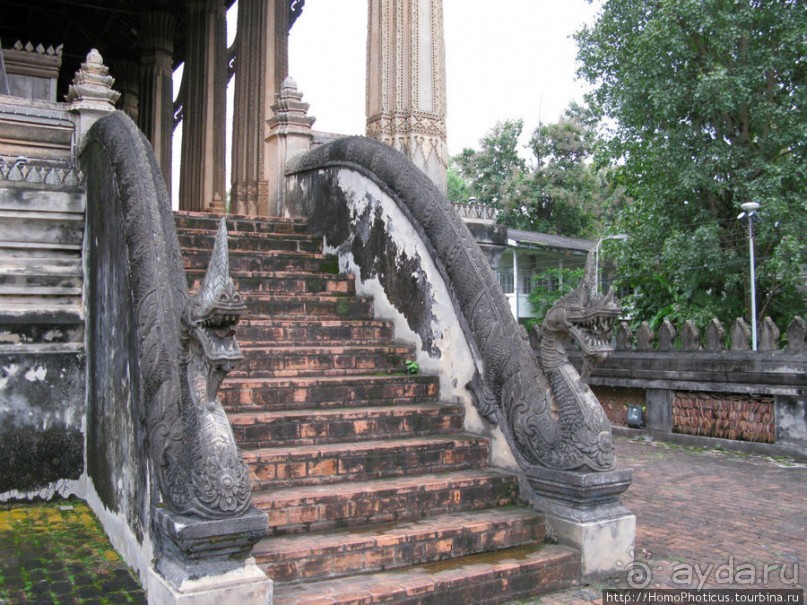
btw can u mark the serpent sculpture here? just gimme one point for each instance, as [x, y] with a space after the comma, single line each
[210, 351]
[181, 347]
[548, 414]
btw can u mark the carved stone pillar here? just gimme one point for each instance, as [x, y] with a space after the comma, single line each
[261, 67]
[204, 124]
[406, 98]
[156, 87]
[127, 79]
[90, 94]
[290, 135]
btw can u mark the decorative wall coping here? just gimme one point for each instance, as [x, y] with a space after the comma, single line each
[713, 338]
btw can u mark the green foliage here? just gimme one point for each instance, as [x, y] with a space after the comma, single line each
[549, 285]
[563, 192]
[412, 366]
[457, 187]
[707, 102]
[493, 173]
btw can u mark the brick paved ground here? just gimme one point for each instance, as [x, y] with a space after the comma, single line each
[701, 514]
[708, 515]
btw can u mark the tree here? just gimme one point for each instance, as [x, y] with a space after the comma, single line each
[549, 286]
[494, 172]
[457, 186]
[562, 191]
[707, 101]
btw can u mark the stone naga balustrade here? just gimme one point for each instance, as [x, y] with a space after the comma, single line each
[713, 338]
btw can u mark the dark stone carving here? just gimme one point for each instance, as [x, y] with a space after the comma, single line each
[690, 336]
[295, 10]
[740, 335]
[666, 336]
[174, 350]
[715, 333]
[797, 335]
[510, 389]
[768, 335]
[220, 477]
[624, 337]
[644, 337]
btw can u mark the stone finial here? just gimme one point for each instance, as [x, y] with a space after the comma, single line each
[92, 85]
[644, 337]
[690, 336]
[797, 335]
[715, 333]
[768, 335]
[666, 336]
[624, 337]
[290, 112]
[217, 206]
[740, 335]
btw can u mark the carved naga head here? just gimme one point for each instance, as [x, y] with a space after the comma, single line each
[585, 315]
[210, 317]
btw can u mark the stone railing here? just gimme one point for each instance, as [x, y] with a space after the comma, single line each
[710, 383]
[713, 338]
[479, 212]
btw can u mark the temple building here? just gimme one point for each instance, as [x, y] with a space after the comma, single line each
[144, 43]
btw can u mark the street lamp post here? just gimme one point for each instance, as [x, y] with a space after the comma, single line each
[621, 237]
[750, 214]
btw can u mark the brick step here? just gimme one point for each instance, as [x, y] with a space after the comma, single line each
[439, 538]
[485, 579]
[279, 331]
[325, 306]
[308, 427]
[288, 360]
[196, 258]
[250, 241]
[363, 461]
[323, 392]
[362, 503]
[240, 223]
[283, 282]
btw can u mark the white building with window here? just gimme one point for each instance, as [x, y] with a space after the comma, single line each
[517, 255]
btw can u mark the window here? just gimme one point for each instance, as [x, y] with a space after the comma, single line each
[506, 282]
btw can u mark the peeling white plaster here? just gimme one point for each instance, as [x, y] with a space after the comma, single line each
[11, 370]
[455, 366]
[10, 337]
[38, 374]
[62, 488]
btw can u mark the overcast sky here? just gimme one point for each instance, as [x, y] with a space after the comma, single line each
[505, 59]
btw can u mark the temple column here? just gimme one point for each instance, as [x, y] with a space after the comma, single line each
[204, 123]
[127, 80]
[261, 67]
[406, 90]
[155, 111]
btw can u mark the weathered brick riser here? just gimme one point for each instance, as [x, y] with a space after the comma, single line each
[374, 493]
[322, 392]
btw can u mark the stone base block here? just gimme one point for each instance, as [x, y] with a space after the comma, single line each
[247, 585]
[582, 510]
[606, 546]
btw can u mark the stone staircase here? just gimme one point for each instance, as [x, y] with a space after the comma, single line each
[42, 203]
[374, 493]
